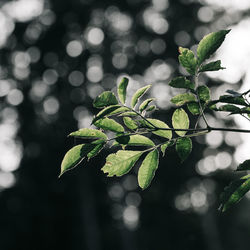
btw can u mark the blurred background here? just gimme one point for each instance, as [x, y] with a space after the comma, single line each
[56, 56]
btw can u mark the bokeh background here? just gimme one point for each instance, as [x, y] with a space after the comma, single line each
[56, 56]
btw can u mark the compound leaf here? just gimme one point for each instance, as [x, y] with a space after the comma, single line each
[121, 162]
[187, 60]
[212, 66]
[183, 147]
[106, 98]
[109, 124]
[138, 94]
[182, 99]
[181, 82]
[122, 89]
[147, 169]
[180, 120]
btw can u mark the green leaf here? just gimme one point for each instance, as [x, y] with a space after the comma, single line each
[229, 108]
[209, 44]
[187, 60]
[122, 89]
[244, 166]
[106, 98]
[130, 123]
[183, 147]
[135, 140]
[145, 104]
[74, 156]
[151, 108]
[97, 149]
[128, 113]
[159, 124]
[194, 108]
[204, 93]
[121, 162]
[212, 66]
[180, 120]
[105, 112]
[234, 192]
[233, 100]
[109, 124]
[181, 82]
[165, 146]
[147, 169]
[88, 133]
[120, 111]
[138, 94]
[182, 99]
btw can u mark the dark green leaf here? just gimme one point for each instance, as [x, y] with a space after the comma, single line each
[151, 108]
[234, 192]
[135, 140]
[105, 112]
[209, 44]
[109, 124]
[229, 108]
[182, 99]
[122, 89]
[183, 147]
[88, 133]
[121, 162]
[147, 169]
[107, 98]
[97, 149]
[204, 93]
[145, 104]
[138, 94]
[130, 123]
[181, 82]
[187, 60]
[233, 100]
[194, 108]
[180, 120]
[244, 166]
[212, 66]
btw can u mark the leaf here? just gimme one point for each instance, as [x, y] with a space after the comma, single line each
[194, 108]
[145, 104]
[183, 147]
[233, 100]
[128, 113]
[109, 124]
[105, 112]
[159, 124]
[165, 146]
[106, 98]
[130, 123]
[244, 166]
[180, 120]
[147, 169]
[209, 44]
[138, 94]
[234, 192]
[97, 149]
[182, 99]
[151, 108]
[120, 110]
[121, 162]
[122, 89]
[135, 140]
[212, 66]
[181, 82]
[204, 93]
[88, 133]
[74, 156]
[229, 108]
[187, 60]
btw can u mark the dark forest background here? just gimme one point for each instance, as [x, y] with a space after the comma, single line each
[53, 64]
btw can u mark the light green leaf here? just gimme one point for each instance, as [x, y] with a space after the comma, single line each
[244, 166]
[74, 156]
[209, 44]
[165, 146]
[159, 124]
[147, 169]
[106, 98]
[105, 112]
[128, 113]
[234, 192]
[204, 93]
[194, 108]
[130, 123]
[109, 124]
[121, 162]
[145, 104]
[88, 133]
[180, 120]
[182, 99]
[122, 89]
[138, 94]
[135, 140]
[181, 82]
[187, 60]
[120, 111]
[212, 66]
[183, 147]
